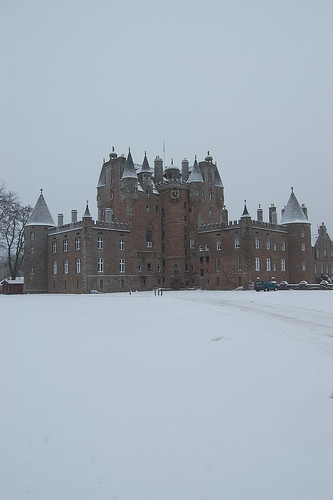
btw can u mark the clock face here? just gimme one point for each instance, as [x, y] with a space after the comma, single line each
[174, 194]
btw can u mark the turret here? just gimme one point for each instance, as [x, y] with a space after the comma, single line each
[35, 248]
[172, 173]
[145, 173]
[129, 180]
[299, 241]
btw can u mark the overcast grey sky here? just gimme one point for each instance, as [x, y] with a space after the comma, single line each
[250, 81]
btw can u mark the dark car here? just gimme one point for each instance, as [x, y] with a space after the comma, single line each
[265, 285]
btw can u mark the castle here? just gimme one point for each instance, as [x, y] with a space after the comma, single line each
[168, 227]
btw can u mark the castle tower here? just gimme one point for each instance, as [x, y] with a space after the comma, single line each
[196, 185]
[298, 241]
[129, 181]
[219, 189]
[35, 249]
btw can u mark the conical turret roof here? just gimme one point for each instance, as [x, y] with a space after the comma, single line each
[218, 182]
[245, 211]
[129, 170]
[40, 216]
[145, 165]
[293, 212]
[195, 175]
[87, 212]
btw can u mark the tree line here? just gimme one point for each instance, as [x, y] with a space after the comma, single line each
[13, 218]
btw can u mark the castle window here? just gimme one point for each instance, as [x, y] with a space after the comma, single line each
[210, 195]
[217, 265]
[147, 207]
[128, 189]
[65, 246]
[192, 243]
[32, 270]
[121, 244]
[78, 265]
[55, 267]
[257, 264]
[197, 193]
[303, 248]
[210, 210]
[54, 247]
[32, 250]
[207, 259]
[147, 193]
[325, 252]
[139, 268]
[207, 248]
[274, 246]
[237, 244]
[317, 253]
[149, 239]
[32, 236]
[240, 265]
[274, 267]
[201, 260]
[100, 265]
[303, 266]
[201, 248]
[302, 233]
[157, 209]
[257, 243]
[268, 244]
[158, 269]
[122, 266]
[65, 266]
[148, 267]
[100, 243]
[101, 284]
[77, 244]
[283, 264]
[184, 204]
[283, 247]
[268, 264]
[218, 245]
[144, 177]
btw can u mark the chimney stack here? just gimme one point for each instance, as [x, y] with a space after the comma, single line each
[60, 219]
[260, 214]
[74, 215]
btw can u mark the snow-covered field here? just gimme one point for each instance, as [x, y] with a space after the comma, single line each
[189, 396]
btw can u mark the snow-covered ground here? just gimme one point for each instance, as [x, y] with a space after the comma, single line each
[189, 396]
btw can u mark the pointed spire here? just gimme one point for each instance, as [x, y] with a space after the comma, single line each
[195, 175]
[145, 165]
[129, 170]
[245, 211]
[293, 212]
[40, 216]
[87, 212]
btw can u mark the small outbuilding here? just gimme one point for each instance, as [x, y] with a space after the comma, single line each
[8, 286]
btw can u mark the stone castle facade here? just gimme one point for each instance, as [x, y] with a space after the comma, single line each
[167, 227]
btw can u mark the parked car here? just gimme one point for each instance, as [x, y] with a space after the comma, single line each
[265, 285]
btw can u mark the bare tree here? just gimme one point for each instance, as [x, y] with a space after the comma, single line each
[13, 217]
